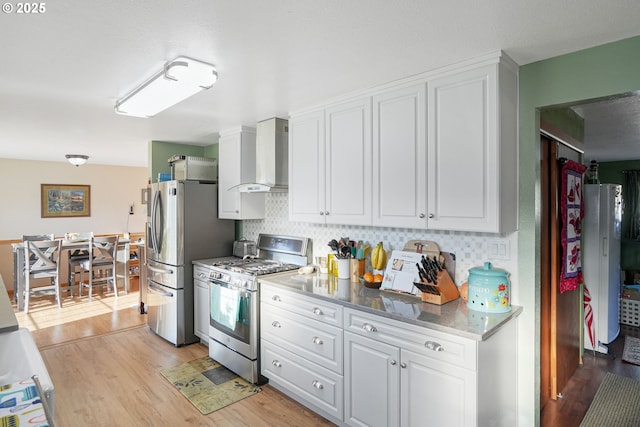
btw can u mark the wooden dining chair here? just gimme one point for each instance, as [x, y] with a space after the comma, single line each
[101, 265]
[42, 261]
[75, 258]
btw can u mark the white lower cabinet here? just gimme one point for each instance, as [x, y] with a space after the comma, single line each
[302, 349]
[371, 383]
[201, 304]
[377, 371]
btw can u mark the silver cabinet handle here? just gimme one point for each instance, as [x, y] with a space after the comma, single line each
[317, 384]
[276, 324]
[277, 364]
[393, 362]
[369, 328]
[321, 213]
[432, 216]
[326, 212]
[276, 298]
[317, 311]
[432, 345]
[317, 340]
[422, 215]
[403, 365]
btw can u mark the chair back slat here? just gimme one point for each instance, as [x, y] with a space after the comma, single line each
[42, 255]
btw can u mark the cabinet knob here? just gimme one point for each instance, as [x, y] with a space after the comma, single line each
[317, 311]
[276, 298]
[403, 365]
[432, 345]
[321, 213]
[276, 324]
[393, 362]
[276, 363]
[326, 212]
[317, 340]
[369, 328]
[317, 384]
[237, 212]
[421, 215]
[432, 215]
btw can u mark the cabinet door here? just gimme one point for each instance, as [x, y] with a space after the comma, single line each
[201, 310]
[348, 163]
[229, 174]
[237, 160]
[399, 158]
[372, 382]
[306, 168]
[435, 393]
[463, 151]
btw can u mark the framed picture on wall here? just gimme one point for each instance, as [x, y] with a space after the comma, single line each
[65, 200]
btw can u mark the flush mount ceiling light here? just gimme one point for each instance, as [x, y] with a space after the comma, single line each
[77, 159]
[180, 79]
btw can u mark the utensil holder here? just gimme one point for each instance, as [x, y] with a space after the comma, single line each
[343, 268]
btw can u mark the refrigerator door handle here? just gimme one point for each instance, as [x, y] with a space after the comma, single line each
[156, 231]
[160, 270]
[605, 246]
[159, 291]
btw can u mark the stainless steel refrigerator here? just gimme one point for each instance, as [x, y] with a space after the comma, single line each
[182, 226]
[601, 261]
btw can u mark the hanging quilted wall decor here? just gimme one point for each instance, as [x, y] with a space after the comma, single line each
[572, 211]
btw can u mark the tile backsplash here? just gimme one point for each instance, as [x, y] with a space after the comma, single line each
[470, 249]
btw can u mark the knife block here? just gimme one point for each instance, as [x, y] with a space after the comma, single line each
[441, 293]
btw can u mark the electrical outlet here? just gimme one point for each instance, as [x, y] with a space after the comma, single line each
[499, 249]
[131, 210]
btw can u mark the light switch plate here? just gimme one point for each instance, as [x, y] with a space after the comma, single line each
[499, 249]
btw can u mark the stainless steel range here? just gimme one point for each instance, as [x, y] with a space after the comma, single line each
[234, 313]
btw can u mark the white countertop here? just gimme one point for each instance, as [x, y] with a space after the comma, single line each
[453, 317]
[8, 321]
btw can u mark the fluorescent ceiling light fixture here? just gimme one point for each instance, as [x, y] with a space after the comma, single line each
[77, 159]
[180, 79]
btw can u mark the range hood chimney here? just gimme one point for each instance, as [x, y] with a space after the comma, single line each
[272, 158]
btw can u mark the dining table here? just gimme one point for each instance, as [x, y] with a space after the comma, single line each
[75, 244]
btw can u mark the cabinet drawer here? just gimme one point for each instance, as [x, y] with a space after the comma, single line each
[313, 340]
[434, 344]
[303, 379]
[313, 308]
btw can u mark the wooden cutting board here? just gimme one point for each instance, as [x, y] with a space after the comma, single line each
[425, 247]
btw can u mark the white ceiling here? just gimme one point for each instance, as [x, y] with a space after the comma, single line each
[61, 71]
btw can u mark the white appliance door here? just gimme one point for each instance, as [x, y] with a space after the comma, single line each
[610, 272]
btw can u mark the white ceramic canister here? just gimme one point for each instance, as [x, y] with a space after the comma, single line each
[489, 289]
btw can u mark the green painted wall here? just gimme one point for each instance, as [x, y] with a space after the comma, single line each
[588, 74]
[160, 152]
[565, 119]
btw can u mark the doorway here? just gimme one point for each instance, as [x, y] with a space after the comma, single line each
[560, 312]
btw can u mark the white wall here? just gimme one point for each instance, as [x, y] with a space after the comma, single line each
[113, 190]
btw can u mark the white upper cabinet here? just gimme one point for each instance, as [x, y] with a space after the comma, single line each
[472, 150]
[399, 157]
[330, 164]
[348, 163]
[237, 165]
[306, 167]
[438, 151]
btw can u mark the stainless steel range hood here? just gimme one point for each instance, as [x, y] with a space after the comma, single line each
[272, 158]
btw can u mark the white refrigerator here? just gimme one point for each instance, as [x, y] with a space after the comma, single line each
[601, 261]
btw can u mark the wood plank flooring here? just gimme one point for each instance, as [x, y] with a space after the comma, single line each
[581, 388]
[106, 371]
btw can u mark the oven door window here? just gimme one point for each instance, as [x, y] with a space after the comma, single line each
[230, 310]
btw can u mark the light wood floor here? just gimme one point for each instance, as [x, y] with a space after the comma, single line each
[105, 366]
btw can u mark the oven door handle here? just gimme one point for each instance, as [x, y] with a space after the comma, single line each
[159, 291]
[243, 292]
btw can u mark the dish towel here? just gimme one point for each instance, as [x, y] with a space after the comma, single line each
[572, 214]
[228, 303]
